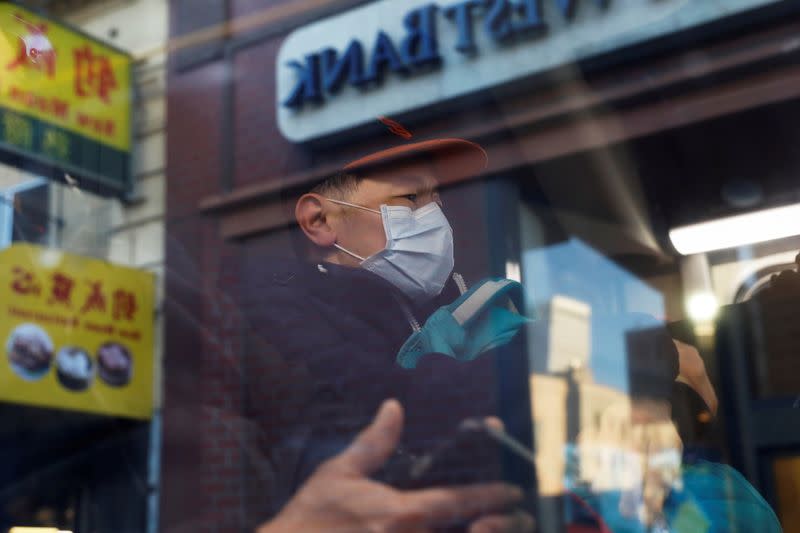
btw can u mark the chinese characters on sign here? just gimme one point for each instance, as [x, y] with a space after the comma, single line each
[18, 130]
[55, 143]
[64, 98]
[93, 75]
[77, 332]
[25, 283]
[62, 287]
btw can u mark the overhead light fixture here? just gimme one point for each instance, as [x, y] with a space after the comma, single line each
[702, 306]
[23, 529]
[739, 230]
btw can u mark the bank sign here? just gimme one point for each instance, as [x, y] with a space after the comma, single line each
[390, 57]
[64, 101]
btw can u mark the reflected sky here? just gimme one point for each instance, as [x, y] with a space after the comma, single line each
[616, 298]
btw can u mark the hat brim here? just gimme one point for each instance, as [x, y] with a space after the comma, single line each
[452, 159]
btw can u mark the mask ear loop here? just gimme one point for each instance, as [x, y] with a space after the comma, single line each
[348, 204]
[348, 252]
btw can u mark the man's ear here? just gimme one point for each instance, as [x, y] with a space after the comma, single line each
[311, 213]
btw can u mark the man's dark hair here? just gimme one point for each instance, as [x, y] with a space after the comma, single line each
[345, 182]
[339, 186]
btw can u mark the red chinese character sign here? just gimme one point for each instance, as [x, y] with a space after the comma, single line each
[74, 88]
[94, 75]
[77, 333]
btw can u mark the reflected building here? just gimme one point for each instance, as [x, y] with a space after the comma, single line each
[563, 406]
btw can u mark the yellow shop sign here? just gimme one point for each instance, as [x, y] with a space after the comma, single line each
[78, 333]
[65, 98]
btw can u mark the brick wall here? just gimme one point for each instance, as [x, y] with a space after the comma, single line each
[199, 464]
[208, 443]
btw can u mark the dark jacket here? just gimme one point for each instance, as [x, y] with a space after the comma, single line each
[328, 337]
[323, 359]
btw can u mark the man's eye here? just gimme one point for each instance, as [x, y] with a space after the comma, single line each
[410, 197]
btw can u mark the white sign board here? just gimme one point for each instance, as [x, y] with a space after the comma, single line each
[393, 56]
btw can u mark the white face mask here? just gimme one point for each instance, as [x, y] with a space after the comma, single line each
[418, 257]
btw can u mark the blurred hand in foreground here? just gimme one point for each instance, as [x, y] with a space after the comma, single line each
[340, 497]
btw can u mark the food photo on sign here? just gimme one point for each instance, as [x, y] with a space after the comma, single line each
[115, 364]
[30, 352]
[74, 368]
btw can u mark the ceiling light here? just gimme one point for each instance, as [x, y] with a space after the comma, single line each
[23, 529]
[702, 306]
[739, 230]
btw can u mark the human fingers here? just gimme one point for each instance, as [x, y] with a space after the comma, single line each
[494, 423]
[450, 505]
[375, 444]
[692, 370]
[519, 522]
[706, 391]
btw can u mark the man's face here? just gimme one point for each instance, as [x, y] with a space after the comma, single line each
[409, 184]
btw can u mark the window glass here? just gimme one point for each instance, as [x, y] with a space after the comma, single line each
[370, 265]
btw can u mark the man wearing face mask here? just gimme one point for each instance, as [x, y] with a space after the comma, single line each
[352, 321]
[375, 310]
